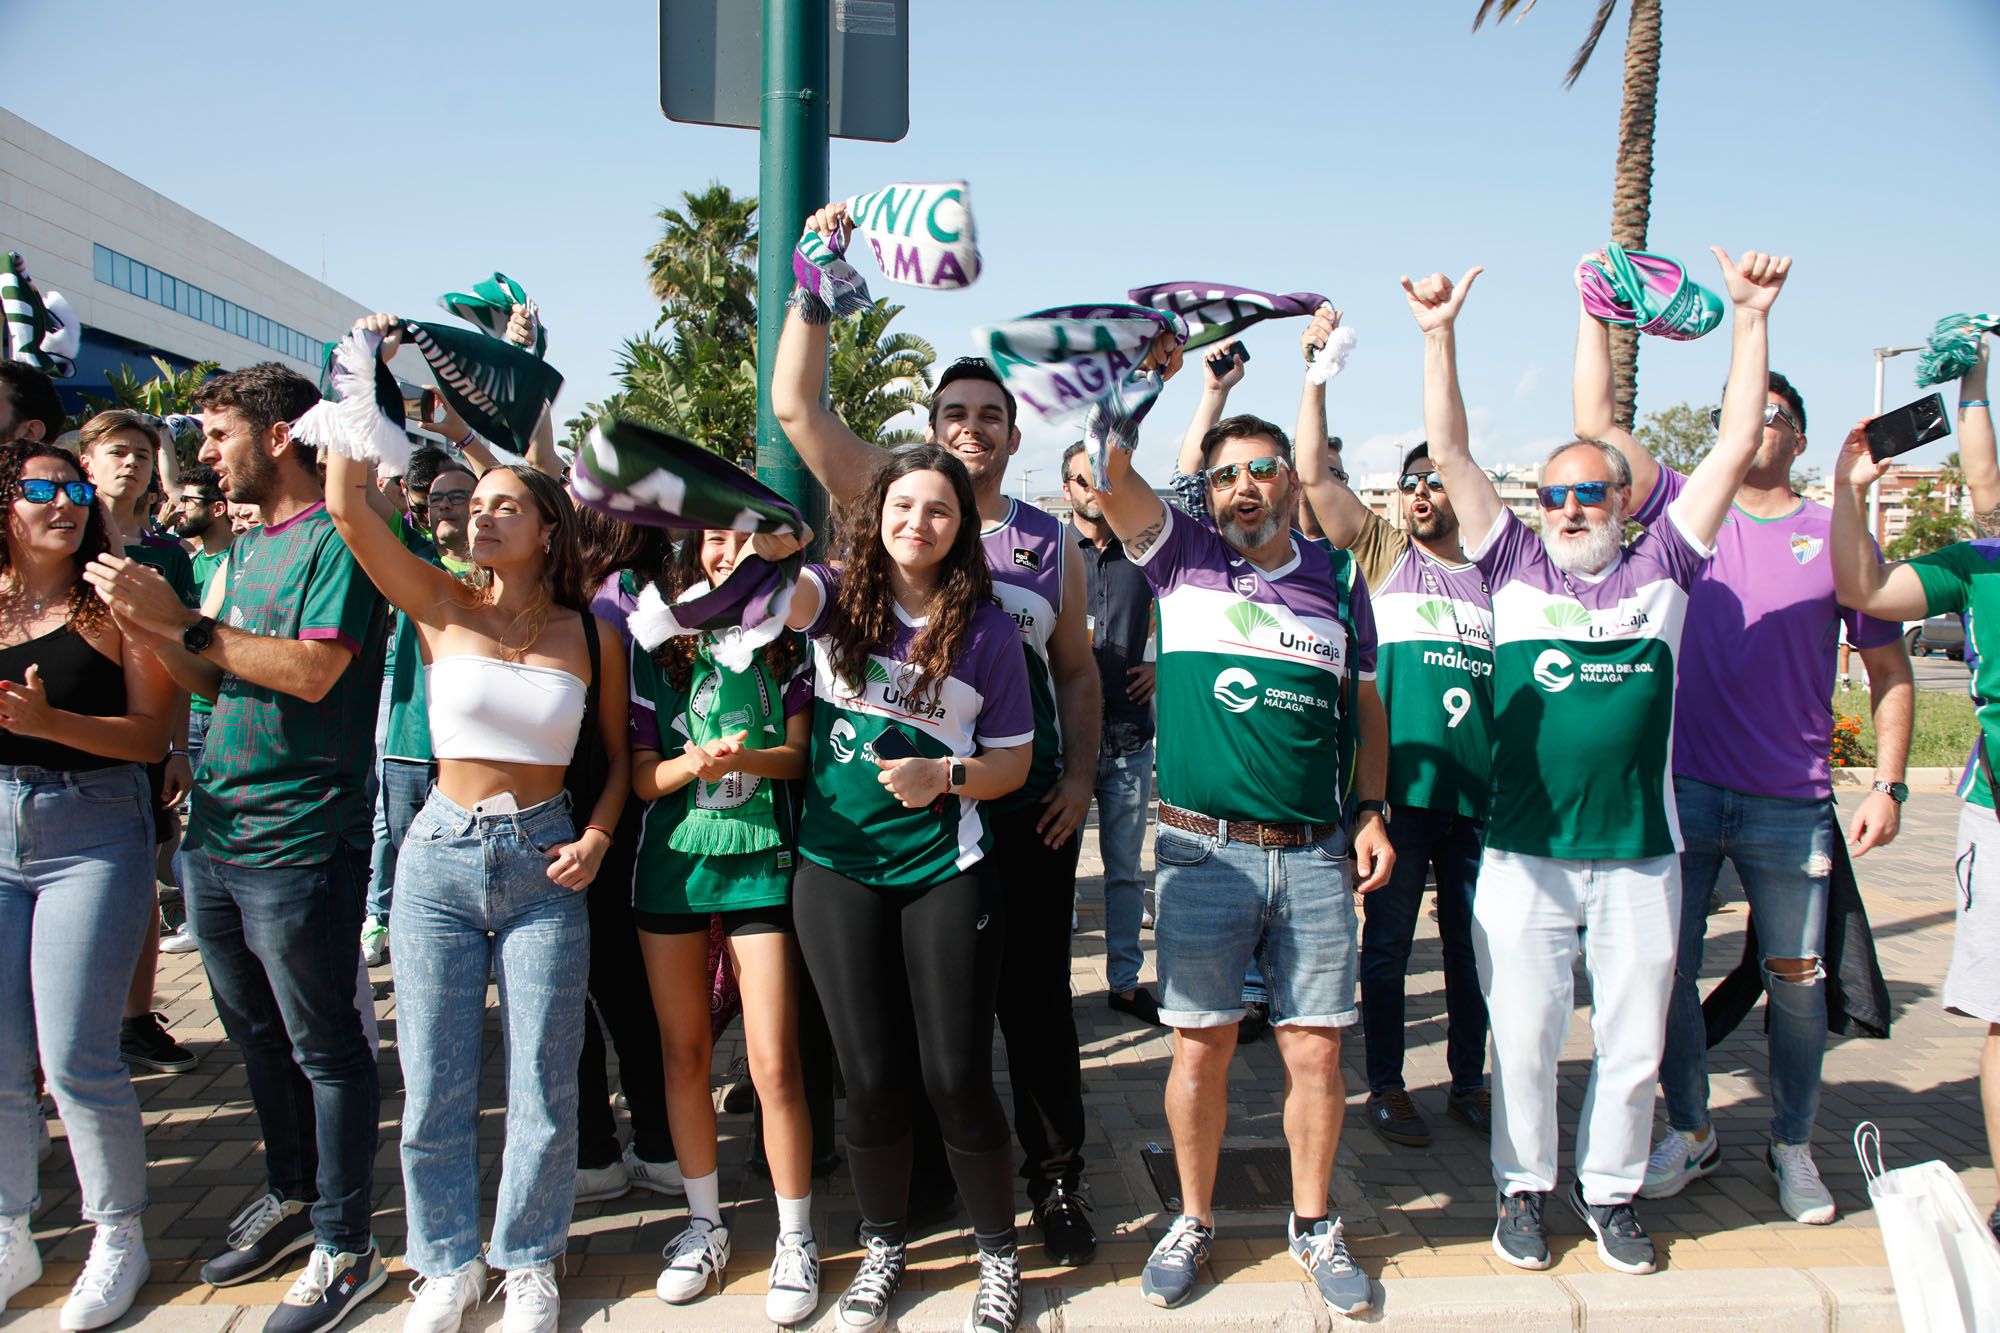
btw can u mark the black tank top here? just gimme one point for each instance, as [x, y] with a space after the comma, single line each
[78, 679]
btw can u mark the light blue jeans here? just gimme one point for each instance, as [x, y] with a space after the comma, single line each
[76, 895]
[472, 890]
[1783, 852]
[1124, 787]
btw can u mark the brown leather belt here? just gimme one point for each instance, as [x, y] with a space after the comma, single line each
[1261, 835]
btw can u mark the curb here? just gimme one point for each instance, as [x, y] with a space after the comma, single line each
[1944, 778]
[1850, 1300]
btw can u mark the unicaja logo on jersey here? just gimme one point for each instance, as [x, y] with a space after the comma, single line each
[1552, 671]
[837, 737]
[1232, 690]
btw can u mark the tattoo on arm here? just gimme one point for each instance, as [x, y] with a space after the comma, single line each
[1143, 543]
[1986, 522]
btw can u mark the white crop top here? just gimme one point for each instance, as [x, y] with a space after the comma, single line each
[503, 712]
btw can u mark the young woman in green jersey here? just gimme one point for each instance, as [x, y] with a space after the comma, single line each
[711, 750]
[921, 712]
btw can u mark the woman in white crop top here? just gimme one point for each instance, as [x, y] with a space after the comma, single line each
[491, 872]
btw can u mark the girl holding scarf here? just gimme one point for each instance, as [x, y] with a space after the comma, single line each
[713, 749]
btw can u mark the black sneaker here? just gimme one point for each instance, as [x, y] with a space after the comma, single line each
[328, 1291]
[1472, 1108]
[865, 1307]
[1140, 1004]
[143, 1040]
[1256, 1021]
[262, 1235]
[1993, 1222]
[1396, 1118]
[997, 1306]
[1518, 1237]
[1621, 1241]
[1067, 1237]
[741, 1099]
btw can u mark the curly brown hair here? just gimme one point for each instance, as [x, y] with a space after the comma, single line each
[681, 571]
[86, 612]
[864, 611]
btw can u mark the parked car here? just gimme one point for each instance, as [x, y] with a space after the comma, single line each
[1939, 634]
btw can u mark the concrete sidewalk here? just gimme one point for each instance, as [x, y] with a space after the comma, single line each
[1417, 1219]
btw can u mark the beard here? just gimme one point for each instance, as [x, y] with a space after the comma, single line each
[250, 482]
[1090, 510]
[1588, 552]
[1249, 538]
[1439, 525]
[191, 528]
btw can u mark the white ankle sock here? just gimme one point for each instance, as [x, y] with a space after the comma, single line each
[704, 1195]
[795, 1215]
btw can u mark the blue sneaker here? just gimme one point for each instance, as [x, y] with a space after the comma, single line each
[1322, 1253]
[1168, 1278]
[328, 1291]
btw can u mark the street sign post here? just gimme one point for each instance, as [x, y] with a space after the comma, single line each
[797, 72]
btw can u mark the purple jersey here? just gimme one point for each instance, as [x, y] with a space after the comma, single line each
[1025, 553]
[1764, 605]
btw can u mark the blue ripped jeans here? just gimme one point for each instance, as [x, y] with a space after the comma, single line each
[1783, 852]
[473, 890]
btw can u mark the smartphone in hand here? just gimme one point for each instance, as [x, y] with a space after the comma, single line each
[1907, 427]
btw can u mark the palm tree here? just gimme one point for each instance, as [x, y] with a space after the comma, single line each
[874, 376]
[704, 266]
[168, 392]
[1632, 188]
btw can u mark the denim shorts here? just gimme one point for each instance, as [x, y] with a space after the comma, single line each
[1221, 904]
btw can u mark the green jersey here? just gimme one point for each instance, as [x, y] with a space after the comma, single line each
[1965, 577]
[203, 568]
[281, 777]
[1583, 694]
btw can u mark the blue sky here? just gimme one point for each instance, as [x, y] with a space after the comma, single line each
[1326, 146]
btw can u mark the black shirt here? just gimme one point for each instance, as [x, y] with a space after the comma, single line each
[1120, 603]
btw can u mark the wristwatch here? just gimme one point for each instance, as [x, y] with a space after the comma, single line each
[197, 637]
[1898, 792]
[1372, 807]
[955, 775]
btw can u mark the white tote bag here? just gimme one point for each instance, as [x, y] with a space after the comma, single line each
[1941, 1254]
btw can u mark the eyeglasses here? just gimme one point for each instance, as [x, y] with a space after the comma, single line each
[1772, 411]
[42, 491]
[1338, 474]
[1407, 483]
[449, 498]
[1587, 493]
[1223, 475]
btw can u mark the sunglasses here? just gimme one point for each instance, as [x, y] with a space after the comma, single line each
[42, 491]
[1224, 475]
[1407, 483]
[1772, 411]
[1078, 480]
[1587, 493]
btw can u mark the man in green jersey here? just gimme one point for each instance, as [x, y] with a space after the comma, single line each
[1962, 578]
[1582, 838]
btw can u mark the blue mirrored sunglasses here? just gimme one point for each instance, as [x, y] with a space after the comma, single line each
[42, 491]
[1407, 483]
[1587, 493]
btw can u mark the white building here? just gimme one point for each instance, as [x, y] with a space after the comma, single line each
[147, 277]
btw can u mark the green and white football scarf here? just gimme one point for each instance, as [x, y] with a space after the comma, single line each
[490, 306]
[1651, 293]
[1953, 348]
[922, 236]
[39, 330]
[738, 813]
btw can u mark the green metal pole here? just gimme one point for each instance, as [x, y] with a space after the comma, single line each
[792, 159]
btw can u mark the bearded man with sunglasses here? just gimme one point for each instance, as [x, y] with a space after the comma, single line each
[1750, 772]
[1582, 840]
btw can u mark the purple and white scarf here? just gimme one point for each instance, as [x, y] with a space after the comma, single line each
[1216, 310]
[922, 236]
[1080, 364]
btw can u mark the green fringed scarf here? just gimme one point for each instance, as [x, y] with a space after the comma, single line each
[739, 813]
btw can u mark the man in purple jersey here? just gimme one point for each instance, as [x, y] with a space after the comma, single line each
[1036, 831]
[1751, 776]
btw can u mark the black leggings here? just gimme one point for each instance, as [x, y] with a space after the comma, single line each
[908, 978]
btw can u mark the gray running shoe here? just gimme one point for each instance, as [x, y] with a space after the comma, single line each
[1168, 1278]
[1322, 1253]
[1518, 1237]
[1621, 1241]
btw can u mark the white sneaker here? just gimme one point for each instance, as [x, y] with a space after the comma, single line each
[694, 1256]
[20, 1261]
[111, 1278]
[1678, 1159]
[793, 1294]
[441, 1302]
[602, 1182]
[181, 941]
[374, 941]
[659, 1177]
[532, 1299]
[1801, 1193]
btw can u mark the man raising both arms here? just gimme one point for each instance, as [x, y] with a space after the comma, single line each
[1751, 777]
[1261, 688]
[1036, 831]
[1582, 831]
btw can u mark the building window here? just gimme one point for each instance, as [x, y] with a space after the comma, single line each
[149, 284]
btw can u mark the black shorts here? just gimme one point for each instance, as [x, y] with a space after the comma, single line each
[773, 920]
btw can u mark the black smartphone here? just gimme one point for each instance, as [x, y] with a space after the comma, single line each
[423, 409]
[1907, 427]
[894, 744]
[1220, 359]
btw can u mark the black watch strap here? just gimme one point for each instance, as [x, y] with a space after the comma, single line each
[1372, 807]
[197, 637]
